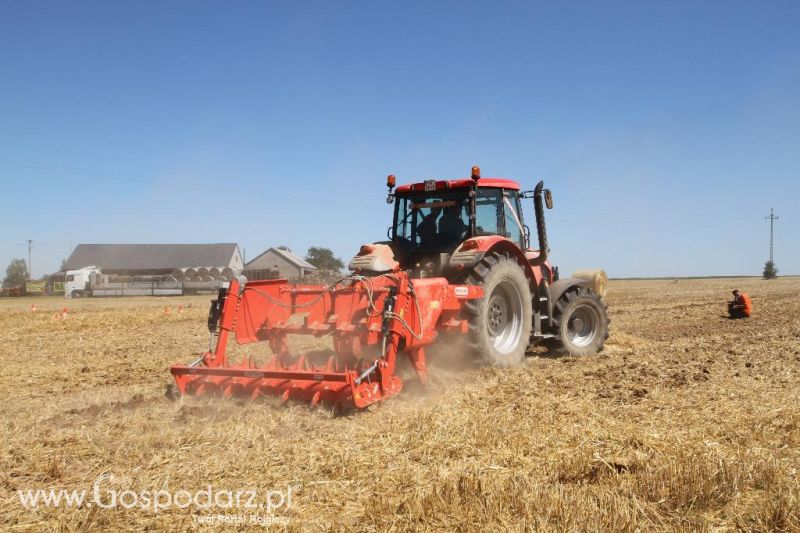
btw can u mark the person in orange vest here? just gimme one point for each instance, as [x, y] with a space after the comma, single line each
[741, 306]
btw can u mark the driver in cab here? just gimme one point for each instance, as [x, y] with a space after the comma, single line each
[451, 226]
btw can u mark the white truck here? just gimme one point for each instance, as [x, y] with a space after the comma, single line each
[90, 281]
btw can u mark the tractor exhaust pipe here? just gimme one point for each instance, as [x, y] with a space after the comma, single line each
[541, 230]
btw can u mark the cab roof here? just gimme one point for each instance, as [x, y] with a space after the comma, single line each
[463, 183]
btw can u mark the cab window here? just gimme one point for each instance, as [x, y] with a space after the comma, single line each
[488, 212]
[440, 221]
[512, 219]
[432, 221]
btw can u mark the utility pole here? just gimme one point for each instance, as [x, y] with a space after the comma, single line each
[30, 269]
[772, 218]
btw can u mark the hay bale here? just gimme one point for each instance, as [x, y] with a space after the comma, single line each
[597, 278]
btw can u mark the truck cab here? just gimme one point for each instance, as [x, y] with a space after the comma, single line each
[78, 283]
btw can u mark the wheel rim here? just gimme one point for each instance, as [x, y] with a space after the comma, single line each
[505, 317]
[582, 326]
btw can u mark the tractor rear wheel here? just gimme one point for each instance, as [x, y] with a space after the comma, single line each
[500, 322]
[580, 322]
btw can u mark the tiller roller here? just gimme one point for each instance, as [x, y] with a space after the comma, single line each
[371, 321]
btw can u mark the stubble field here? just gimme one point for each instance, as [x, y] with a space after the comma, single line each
[686, 420]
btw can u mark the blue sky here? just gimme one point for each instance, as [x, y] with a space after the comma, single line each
[666, 130]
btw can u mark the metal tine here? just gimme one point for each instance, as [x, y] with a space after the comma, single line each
[255, 392]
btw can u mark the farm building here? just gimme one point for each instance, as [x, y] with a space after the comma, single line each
[154, 259]
[289, 265]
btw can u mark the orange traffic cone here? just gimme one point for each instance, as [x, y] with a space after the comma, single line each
[180, 308]
[33, 308]
[64, 313]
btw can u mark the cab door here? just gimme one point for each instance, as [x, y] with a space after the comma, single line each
[513, 227]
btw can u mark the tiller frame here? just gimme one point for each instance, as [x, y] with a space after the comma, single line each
[371, 320]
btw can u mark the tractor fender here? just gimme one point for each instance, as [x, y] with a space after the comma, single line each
[472, 250]
[561, 286]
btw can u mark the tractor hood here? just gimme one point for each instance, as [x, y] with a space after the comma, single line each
[374, 258]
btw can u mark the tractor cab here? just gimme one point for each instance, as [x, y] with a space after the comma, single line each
[438, 218]
[432, 219]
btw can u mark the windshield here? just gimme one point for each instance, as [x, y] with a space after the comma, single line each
[440, 221]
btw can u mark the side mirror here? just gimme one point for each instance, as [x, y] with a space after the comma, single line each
[548, 199]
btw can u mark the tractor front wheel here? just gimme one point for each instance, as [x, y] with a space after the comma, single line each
[500, 322]
[580, 322]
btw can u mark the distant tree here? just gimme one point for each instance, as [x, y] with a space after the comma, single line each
[63, 266]
[770, 271]
[16, 273]
[323, 259]
[283, 247]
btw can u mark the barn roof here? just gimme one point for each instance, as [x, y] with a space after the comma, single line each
[287, 255]
[150, 256]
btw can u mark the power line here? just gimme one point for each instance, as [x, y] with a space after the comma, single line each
[772, 218]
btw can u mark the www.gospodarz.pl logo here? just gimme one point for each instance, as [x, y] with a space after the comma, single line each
[112, 492]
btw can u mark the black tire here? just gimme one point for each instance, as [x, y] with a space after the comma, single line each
[500, 323]
[77, 294]
[580, 322]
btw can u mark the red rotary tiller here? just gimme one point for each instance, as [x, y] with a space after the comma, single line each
[371, 320]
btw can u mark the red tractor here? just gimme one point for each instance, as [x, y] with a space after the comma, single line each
[458, 262]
